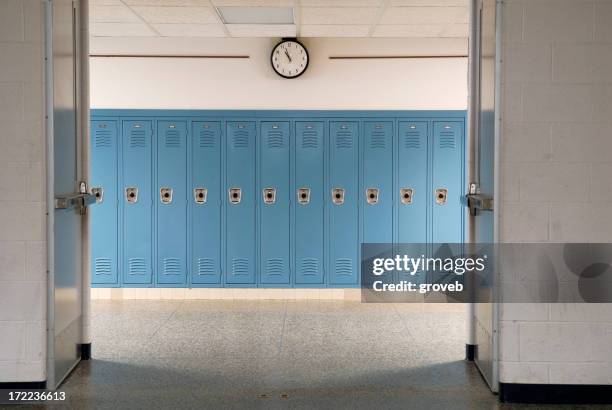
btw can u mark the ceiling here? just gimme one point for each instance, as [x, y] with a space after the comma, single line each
[312, 18]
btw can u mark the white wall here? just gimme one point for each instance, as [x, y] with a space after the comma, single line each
[556, 177]
[251, 84]
[22, 207]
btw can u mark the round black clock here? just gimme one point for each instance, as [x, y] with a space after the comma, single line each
[289, 58]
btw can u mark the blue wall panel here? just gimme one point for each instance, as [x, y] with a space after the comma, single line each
[206, 212]
[104, 223]
[343, 236]
[240, 220]
[309, 211]
[136, 201]
[274, 203]
[171, 200]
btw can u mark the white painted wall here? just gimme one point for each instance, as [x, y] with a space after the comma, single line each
[434, 84]
[556, 177]
[22, 208]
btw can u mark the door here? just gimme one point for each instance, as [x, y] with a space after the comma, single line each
[65, 315]
[274, 199]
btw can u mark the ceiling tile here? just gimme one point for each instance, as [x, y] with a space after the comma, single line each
[340, 3]
[253, 3]
[421, 30]
[120, 30]
[431, 3]
[106, 3]
[203, 15]
[162, 3]
[424, 15]
[338, 15]
[190, 30]
[326, 30]
[261, 30]
[113, 14]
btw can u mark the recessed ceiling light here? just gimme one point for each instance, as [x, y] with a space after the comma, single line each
[256, 15]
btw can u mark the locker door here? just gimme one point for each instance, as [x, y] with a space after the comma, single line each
[343, 202]
[412, 189]
[104, 214]
[447, 226]
[274, 205]
[136, 198]
[206, 203]
[171, 200]
[309, 203]
[241, 196]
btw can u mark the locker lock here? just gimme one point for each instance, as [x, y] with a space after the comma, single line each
[131, 195]
[406, 195]
[303, 196]
[165, 195]
[441, 196]
[372, 196]
[98, 193]
[338, 196]
[200, 195]
[269, 196]
[235, 195]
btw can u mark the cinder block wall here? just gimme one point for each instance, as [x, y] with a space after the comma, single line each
[22, 193]
[556, 176]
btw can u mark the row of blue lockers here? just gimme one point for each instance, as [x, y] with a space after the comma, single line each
[267, 199]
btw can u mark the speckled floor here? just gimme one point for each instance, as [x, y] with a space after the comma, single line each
[276, 354]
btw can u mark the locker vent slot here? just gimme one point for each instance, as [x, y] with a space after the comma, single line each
[344, 266]
[309, 266]
[412, 140]
[138, 139]
[173, 139]
[240, 266]
[137, 266]
[378, 140]
[103, 139]
[240, 139]
[276, 139]
[344, 139]
[206, 266]
[207, 139]
[102, 266]
[275, 266]
[447, 139]
[172, 266]
[310, 139]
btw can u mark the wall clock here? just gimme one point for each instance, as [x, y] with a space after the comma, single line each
[289, 58]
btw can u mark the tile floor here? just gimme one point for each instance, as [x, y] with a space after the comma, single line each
[277, 354]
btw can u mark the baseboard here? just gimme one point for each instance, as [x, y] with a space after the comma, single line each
[470, 352]
[555, 393]
[225, 294]
[23, 385]
[85, 351]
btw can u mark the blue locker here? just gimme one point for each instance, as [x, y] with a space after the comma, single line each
[412, 189]
[274, 199]
[309, 203]
[343, 202]
[104, 215]
[171, 202]
[447, 178]
[206, 203]
[137, 206]
[241, 196]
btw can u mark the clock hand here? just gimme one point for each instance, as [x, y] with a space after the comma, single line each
[288, 56]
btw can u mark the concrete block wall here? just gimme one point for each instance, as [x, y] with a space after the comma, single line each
[23, 280]
[556, 172]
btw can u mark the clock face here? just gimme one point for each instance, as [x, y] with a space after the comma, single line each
[289, 59]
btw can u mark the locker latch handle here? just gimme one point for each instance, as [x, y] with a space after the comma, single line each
[165, 195]
[338, 196]
[269, 196]
[98, 193]
[406, 195]
[131, 195]
[303, 196]
[200, 195]
[441, 196]
[235, 195]
[372, 195]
